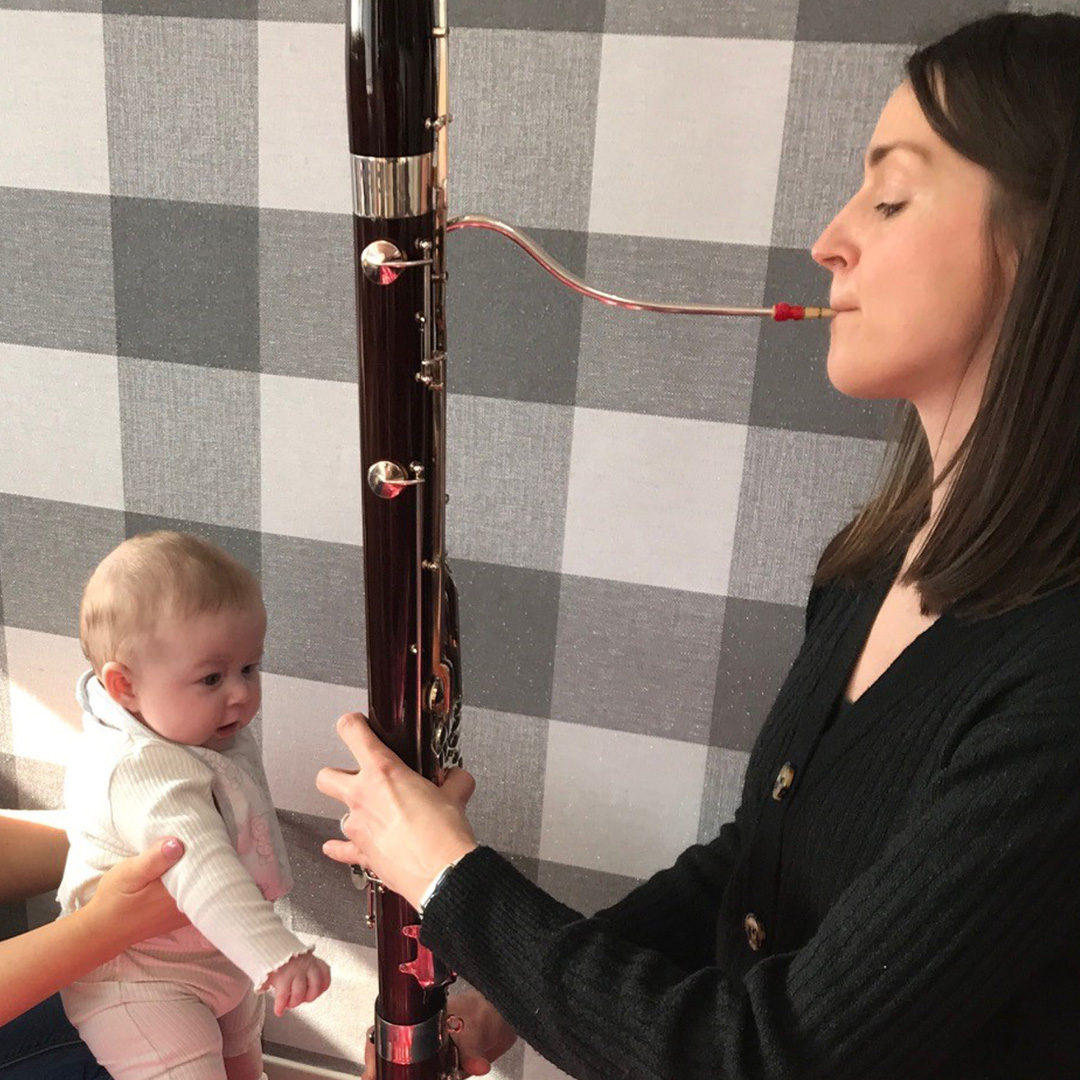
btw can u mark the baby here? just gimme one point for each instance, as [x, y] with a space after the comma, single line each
[174, 628]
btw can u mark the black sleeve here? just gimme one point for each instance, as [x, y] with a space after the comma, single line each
[897, 978]
[676, 910]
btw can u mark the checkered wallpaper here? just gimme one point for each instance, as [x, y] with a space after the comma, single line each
[637, 502]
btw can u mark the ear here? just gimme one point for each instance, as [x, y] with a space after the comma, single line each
[117, 680]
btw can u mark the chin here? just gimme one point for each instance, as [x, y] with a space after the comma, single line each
[854, 379]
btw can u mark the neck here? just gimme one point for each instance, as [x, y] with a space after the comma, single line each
[947, 417]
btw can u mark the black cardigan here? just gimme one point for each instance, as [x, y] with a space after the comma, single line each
[917, 887]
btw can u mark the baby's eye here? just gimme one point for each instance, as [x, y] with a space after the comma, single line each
[211, 680]
[887, 209]
[250, 669]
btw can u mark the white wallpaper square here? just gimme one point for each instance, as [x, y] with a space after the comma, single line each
[653, 499]
[697, 116]
[60, 426]
[311, 479]
[52, 101]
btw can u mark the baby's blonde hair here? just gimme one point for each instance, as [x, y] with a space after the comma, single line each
[152, 576]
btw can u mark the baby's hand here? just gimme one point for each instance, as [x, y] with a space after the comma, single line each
[303, 978]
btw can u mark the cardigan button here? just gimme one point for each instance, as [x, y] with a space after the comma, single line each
[755, 932]
[784, 779]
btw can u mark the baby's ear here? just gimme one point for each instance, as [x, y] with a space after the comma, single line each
[116, 678]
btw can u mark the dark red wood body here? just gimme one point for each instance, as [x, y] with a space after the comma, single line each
[390, 56]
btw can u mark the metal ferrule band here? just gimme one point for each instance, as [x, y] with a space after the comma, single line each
[392, 187]
[409, 1044]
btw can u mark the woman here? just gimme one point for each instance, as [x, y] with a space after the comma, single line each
[36, 1041]
[896, 897]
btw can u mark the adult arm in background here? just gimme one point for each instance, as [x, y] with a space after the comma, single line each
[130, 904]
[33, 846]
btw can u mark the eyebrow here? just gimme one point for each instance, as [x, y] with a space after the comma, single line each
[217, 661]
[878, 154]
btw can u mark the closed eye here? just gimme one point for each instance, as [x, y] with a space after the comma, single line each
[889, 209]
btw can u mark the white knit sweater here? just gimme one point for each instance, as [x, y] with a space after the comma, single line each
[127, 787]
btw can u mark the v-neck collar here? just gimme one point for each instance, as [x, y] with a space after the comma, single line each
[867, 609]
[829, 693]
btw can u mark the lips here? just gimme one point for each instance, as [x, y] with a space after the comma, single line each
[229, 729]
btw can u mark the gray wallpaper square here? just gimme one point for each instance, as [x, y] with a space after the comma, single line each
[314, 593]
[323, 899]
[190, 442]
[307, 301]
[510, 623]
[508, 468]
[178, 84]
[505, 753]
[912, 22]
[583, 890]
[6, 740]
[525, 344]
[584, 15]
[530, 97]
[703, 18]
[204, 9]
[56, 270]
[48, 550]
[187, 287]
[759, 643]
[685, 365]
[609, 672]
[53, 5]
[798, 489]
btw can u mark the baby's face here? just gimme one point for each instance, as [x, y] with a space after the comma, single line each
[196, 680]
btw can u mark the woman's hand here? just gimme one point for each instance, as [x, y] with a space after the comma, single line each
[130, 904]
[400, 826]
[482, 1037]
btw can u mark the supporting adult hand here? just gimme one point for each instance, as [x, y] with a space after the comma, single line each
[482, 1037]
[131, 904]
[400, 826]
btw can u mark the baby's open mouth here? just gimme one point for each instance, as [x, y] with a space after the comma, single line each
[229, 729]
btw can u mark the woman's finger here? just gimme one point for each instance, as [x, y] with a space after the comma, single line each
[149, 865]
[337, 783]
[476, 1066]
[369, 1053]
[343, 851]
[459, 785]
[355, 732]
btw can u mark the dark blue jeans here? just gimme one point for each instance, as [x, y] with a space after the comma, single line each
[42, 1045]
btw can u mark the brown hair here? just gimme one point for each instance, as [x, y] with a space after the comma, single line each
[152, 576]
[1009, 526]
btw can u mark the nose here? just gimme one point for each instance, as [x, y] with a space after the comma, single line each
[240, 690]
[834, 249]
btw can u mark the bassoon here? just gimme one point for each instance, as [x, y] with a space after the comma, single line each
[398, 113]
